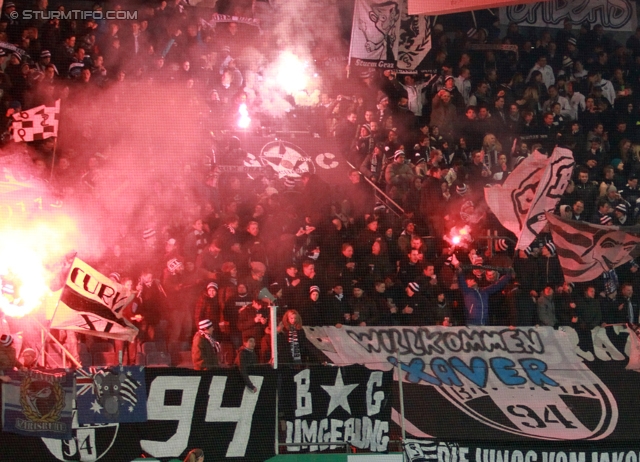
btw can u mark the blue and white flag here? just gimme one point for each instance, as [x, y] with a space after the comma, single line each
[38, 403]
[111, 395]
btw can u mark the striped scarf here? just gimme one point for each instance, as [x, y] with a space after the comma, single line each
[215, 345]
[295, 346]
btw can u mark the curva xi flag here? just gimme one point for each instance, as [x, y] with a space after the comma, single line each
[586, 250]
[533, 188]
[92, 304]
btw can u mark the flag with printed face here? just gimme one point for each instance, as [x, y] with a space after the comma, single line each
[375, 33]
[385, 35]
[532, 189]
[113, 395]
[38, 403]
[38, 123]
[510, 202]
[586, 250]
[554, 182]
[92, 304]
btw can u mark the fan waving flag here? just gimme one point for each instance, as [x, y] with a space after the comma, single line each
[92, 304]
[586, 250]
[38, 123]
[533, 188]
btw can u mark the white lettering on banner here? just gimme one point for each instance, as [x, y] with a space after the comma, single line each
[374, 400]
[362, 433]
[304, 403]
[89, 442]
[440, 451]
[320, 160]
[612, 14]
[242, 415]
[183, 413]
[526, 373]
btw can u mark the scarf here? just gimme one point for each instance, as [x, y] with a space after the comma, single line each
[215, 345]
[294, 344]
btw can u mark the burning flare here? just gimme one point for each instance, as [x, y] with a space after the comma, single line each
[24, 274]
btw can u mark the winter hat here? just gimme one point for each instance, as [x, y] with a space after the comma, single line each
[501, 245]
[45, 54]
[379, 208]
[204, 324]
[414, 286]
[17, 55]
[212, 285]
[115, 276]
[572, 41]
[567, 61]
[148, 233]
[551, 247]
[449, 77]
[399, 152]
[462, 189]
[605, 219]
[6, 340]
[314, 289]
[622, 208]
[289, 182]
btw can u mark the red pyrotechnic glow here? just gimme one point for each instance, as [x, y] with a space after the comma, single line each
[459, 237]
[24, 273]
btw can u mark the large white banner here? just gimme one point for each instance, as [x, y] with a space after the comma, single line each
[614, 15]
[534, 370]
[384, 35]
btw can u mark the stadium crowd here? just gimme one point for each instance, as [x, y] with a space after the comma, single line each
[336, 255]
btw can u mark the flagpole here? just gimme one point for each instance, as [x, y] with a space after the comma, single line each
[57, 342]
[53, 159]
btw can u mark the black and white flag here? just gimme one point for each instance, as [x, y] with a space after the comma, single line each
[533, 188]
[91, 303]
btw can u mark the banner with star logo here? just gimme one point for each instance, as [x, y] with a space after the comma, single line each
[112, 395]
[335, 404]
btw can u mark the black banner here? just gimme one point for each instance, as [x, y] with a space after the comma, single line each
[441, 451]
[186, 409]
[287, 156]
[331, 405]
